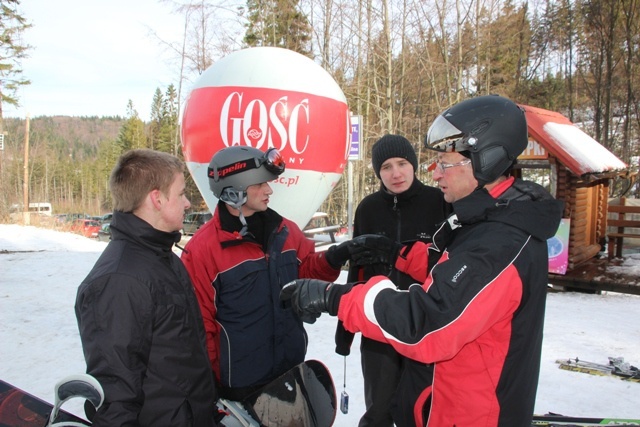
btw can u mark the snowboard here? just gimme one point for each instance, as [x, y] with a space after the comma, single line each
[21, 409]
[304, 396]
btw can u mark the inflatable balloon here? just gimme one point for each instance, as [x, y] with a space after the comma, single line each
[271, 97]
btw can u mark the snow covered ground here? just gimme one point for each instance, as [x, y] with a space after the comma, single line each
[40, 270]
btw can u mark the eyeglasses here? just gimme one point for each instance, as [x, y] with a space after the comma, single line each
[272, 161]
[444, 166]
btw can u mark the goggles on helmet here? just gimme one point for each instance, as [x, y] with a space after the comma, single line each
[445, 137]
[272, 161]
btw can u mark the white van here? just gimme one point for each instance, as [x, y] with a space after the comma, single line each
[41, 208]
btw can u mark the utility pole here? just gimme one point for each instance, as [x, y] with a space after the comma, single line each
[25, 183]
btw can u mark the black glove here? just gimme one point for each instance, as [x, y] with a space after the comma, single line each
[343, 339]
[374, 249]
[337, 255]
[310, 297]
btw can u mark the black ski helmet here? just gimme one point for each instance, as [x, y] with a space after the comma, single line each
[235, 168]
[491, 130]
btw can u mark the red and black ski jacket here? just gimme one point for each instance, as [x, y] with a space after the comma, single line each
[478, 315]
[252, 337]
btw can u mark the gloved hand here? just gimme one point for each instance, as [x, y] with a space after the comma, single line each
[343, 339]
[374, 249]
[311, 297]
[337, 255]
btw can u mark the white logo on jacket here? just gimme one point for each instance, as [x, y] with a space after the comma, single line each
[458, 274]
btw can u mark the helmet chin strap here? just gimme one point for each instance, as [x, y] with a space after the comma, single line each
[243, 221]
[245, 228]
[236, 199]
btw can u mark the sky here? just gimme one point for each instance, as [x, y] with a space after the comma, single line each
[42, 268]
[90, 57]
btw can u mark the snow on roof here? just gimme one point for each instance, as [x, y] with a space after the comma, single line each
[579, 152]
[590, 154]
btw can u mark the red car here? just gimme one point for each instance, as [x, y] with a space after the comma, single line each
[86, 227]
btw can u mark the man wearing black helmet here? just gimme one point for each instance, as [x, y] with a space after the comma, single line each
[239, 261]
[478, 315]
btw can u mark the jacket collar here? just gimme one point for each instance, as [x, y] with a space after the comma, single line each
[524, 205]
[231, 226]
[127, 226]
[404, 197]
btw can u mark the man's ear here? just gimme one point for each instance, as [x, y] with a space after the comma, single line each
[155, 197]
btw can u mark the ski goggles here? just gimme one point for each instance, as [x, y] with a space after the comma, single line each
[445, 137]
[271, 160]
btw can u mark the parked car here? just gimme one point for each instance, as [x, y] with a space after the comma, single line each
[59, 219]
[104, 234]
[86, 227]
[193, 221]
[70, 218]
[106, 218]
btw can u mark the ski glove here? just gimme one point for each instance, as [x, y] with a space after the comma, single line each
[375, 249]
[337, 255]
[311, 297]
[364, 250]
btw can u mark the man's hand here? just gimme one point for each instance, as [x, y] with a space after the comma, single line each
[310, 297]
[337, 255]
[374, 249]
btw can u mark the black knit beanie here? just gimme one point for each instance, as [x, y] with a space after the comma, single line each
[392, 146]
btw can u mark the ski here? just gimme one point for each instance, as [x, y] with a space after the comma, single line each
[557, 420]
[304, 396]
[616, 367]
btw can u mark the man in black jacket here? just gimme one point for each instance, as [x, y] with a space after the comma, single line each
[406, 211]
[140, 325]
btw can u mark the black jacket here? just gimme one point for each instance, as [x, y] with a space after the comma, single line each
[142, 333]
[406, 217]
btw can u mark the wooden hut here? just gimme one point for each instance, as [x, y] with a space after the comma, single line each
[580, 171]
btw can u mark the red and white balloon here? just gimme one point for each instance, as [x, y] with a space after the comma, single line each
[271, 97]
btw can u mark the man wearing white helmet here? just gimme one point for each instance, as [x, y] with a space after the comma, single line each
[238, 263]
[477, 317]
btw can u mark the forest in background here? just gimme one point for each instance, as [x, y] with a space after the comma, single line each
[399, 63]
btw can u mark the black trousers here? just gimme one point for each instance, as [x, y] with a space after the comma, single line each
[392, 385]
[381, 368]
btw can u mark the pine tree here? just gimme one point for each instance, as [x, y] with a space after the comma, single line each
[132, 133]
[156, 119]
[12, 51]
[169, 129]
[164, 121]
[278, 23]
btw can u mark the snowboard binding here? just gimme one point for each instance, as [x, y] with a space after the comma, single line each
[83, 386]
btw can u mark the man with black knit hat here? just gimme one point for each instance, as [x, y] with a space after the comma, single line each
[390, 146]
[406, 210]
